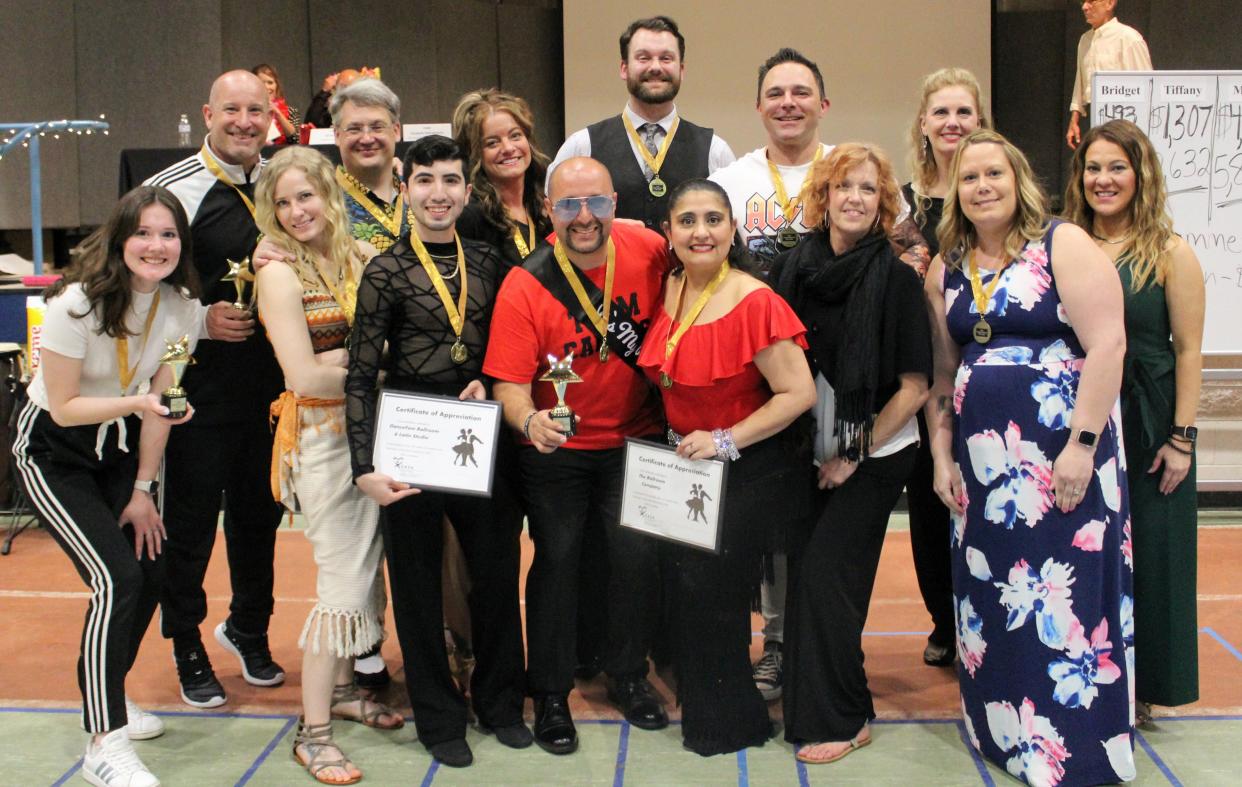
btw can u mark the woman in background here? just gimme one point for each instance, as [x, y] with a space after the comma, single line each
[285, 119]
[507, 170]
[1116, 193]
[951, 107]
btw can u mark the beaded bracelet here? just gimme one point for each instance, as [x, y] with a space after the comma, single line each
[725, 447]
[526, 423]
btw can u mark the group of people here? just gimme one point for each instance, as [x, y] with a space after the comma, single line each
[832, 335]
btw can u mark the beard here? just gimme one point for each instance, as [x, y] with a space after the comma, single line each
[581, 246]
[653, 91]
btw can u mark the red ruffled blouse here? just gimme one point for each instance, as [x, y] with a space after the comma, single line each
[715, 380]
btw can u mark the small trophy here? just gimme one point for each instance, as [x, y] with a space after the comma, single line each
[239, 273]
[560, 374]
[176, 357]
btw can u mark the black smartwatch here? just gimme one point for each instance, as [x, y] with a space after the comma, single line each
[1190, 433]
[1089, 439]
[852, 454]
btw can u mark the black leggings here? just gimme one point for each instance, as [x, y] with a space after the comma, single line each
[80, 495]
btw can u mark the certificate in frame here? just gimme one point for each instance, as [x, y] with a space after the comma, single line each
[437, 443]
[672, 498]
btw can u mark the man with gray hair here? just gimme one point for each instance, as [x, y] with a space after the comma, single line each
[366, 118]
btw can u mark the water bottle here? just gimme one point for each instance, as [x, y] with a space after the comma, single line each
[183, 131]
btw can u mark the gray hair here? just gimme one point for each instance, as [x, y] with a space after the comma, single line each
[367, 92]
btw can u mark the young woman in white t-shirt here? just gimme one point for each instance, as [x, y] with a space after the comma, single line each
[88, 446]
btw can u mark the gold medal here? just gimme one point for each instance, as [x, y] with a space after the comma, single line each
[598, 318]
[603, 351]
[787, 237]
[983, 332]
[657, 187]
[456, 312]
[665, 380]
[458, 352]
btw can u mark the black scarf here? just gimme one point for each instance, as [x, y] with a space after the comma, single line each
[859, 279]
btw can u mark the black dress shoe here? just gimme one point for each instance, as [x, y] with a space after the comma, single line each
[455, 753]
[638, 701]
[554, 727]
[515, 736]
[936, 655]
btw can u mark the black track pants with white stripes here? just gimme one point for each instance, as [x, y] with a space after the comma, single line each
[80, 497]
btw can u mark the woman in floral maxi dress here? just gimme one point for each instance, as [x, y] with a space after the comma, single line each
[1027, 444]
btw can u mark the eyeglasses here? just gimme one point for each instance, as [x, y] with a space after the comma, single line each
[599, 206]
[355, 130]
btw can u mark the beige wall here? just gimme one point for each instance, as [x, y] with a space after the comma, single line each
[873, 56]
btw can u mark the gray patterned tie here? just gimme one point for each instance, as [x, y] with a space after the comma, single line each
[653, 134]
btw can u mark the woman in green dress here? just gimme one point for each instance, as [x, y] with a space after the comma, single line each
[1116, 192]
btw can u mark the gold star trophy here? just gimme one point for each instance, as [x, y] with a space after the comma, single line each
[176, 357]
[239, 273]
[560, 373]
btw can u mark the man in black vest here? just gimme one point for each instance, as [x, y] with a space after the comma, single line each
[648, 149]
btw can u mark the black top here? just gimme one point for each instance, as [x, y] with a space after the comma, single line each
[473, 223]
[398, 304]
[905, 335]
[925, 217]
[686, 159]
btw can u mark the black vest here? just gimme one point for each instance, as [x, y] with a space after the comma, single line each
[686, 159]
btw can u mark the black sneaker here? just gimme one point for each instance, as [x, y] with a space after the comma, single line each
[252, 651]
[199, 686]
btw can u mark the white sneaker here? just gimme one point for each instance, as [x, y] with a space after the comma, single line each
[142, 725]
[113, 763]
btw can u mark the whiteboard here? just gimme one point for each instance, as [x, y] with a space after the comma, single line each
[1194, 120]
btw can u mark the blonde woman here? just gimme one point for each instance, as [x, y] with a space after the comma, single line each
[307, 306]
[1029, 340]
[950, 108]
[1116, 193]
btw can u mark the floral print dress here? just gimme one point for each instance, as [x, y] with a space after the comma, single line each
[1043, 600]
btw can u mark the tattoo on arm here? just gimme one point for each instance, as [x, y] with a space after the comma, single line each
[944, 404]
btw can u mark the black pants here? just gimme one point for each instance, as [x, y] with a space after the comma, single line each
[80, 497]
[201, 462]
[929, 541]
[488, 530]
[831, 579]
[567, 493]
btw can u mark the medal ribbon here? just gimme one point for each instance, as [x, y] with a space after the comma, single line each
[598, 318]
[124, 371]
[523, 246]
[789, 207]
[695, 308]
[657, 161]
[215, 169]
[456, 313]
[346, 296]
[355, 189]
[983, 298]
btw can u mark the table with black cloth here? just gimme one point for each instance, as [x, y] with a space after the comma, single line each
[138, 164]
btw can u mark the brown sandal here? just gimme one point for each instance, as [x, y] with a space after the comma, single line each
[322, 752]
[369, 713]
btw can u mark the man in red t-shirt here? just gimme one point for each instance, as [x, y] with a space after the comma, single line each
[555, 304]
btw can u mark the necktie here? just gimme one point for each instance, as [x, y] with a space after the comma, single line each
[652, 135]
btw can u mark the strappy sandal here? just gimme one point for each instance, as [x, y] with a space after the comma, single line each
[370, 713]
[855, 743]
[1142, 714]
[322, 753]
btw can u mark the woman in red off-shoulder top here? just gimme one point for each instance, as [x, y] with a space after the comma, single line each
[734, 379]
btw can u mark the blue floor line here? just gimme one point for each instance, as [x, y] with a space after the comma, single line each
[980, 765]
[804, 779]
[1168, 774]
[267, 750]
[743, 778]
[431, 773]
[1211, 632]
[68, 774]
[184, 713]
[1198, 718]
[623, 749]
